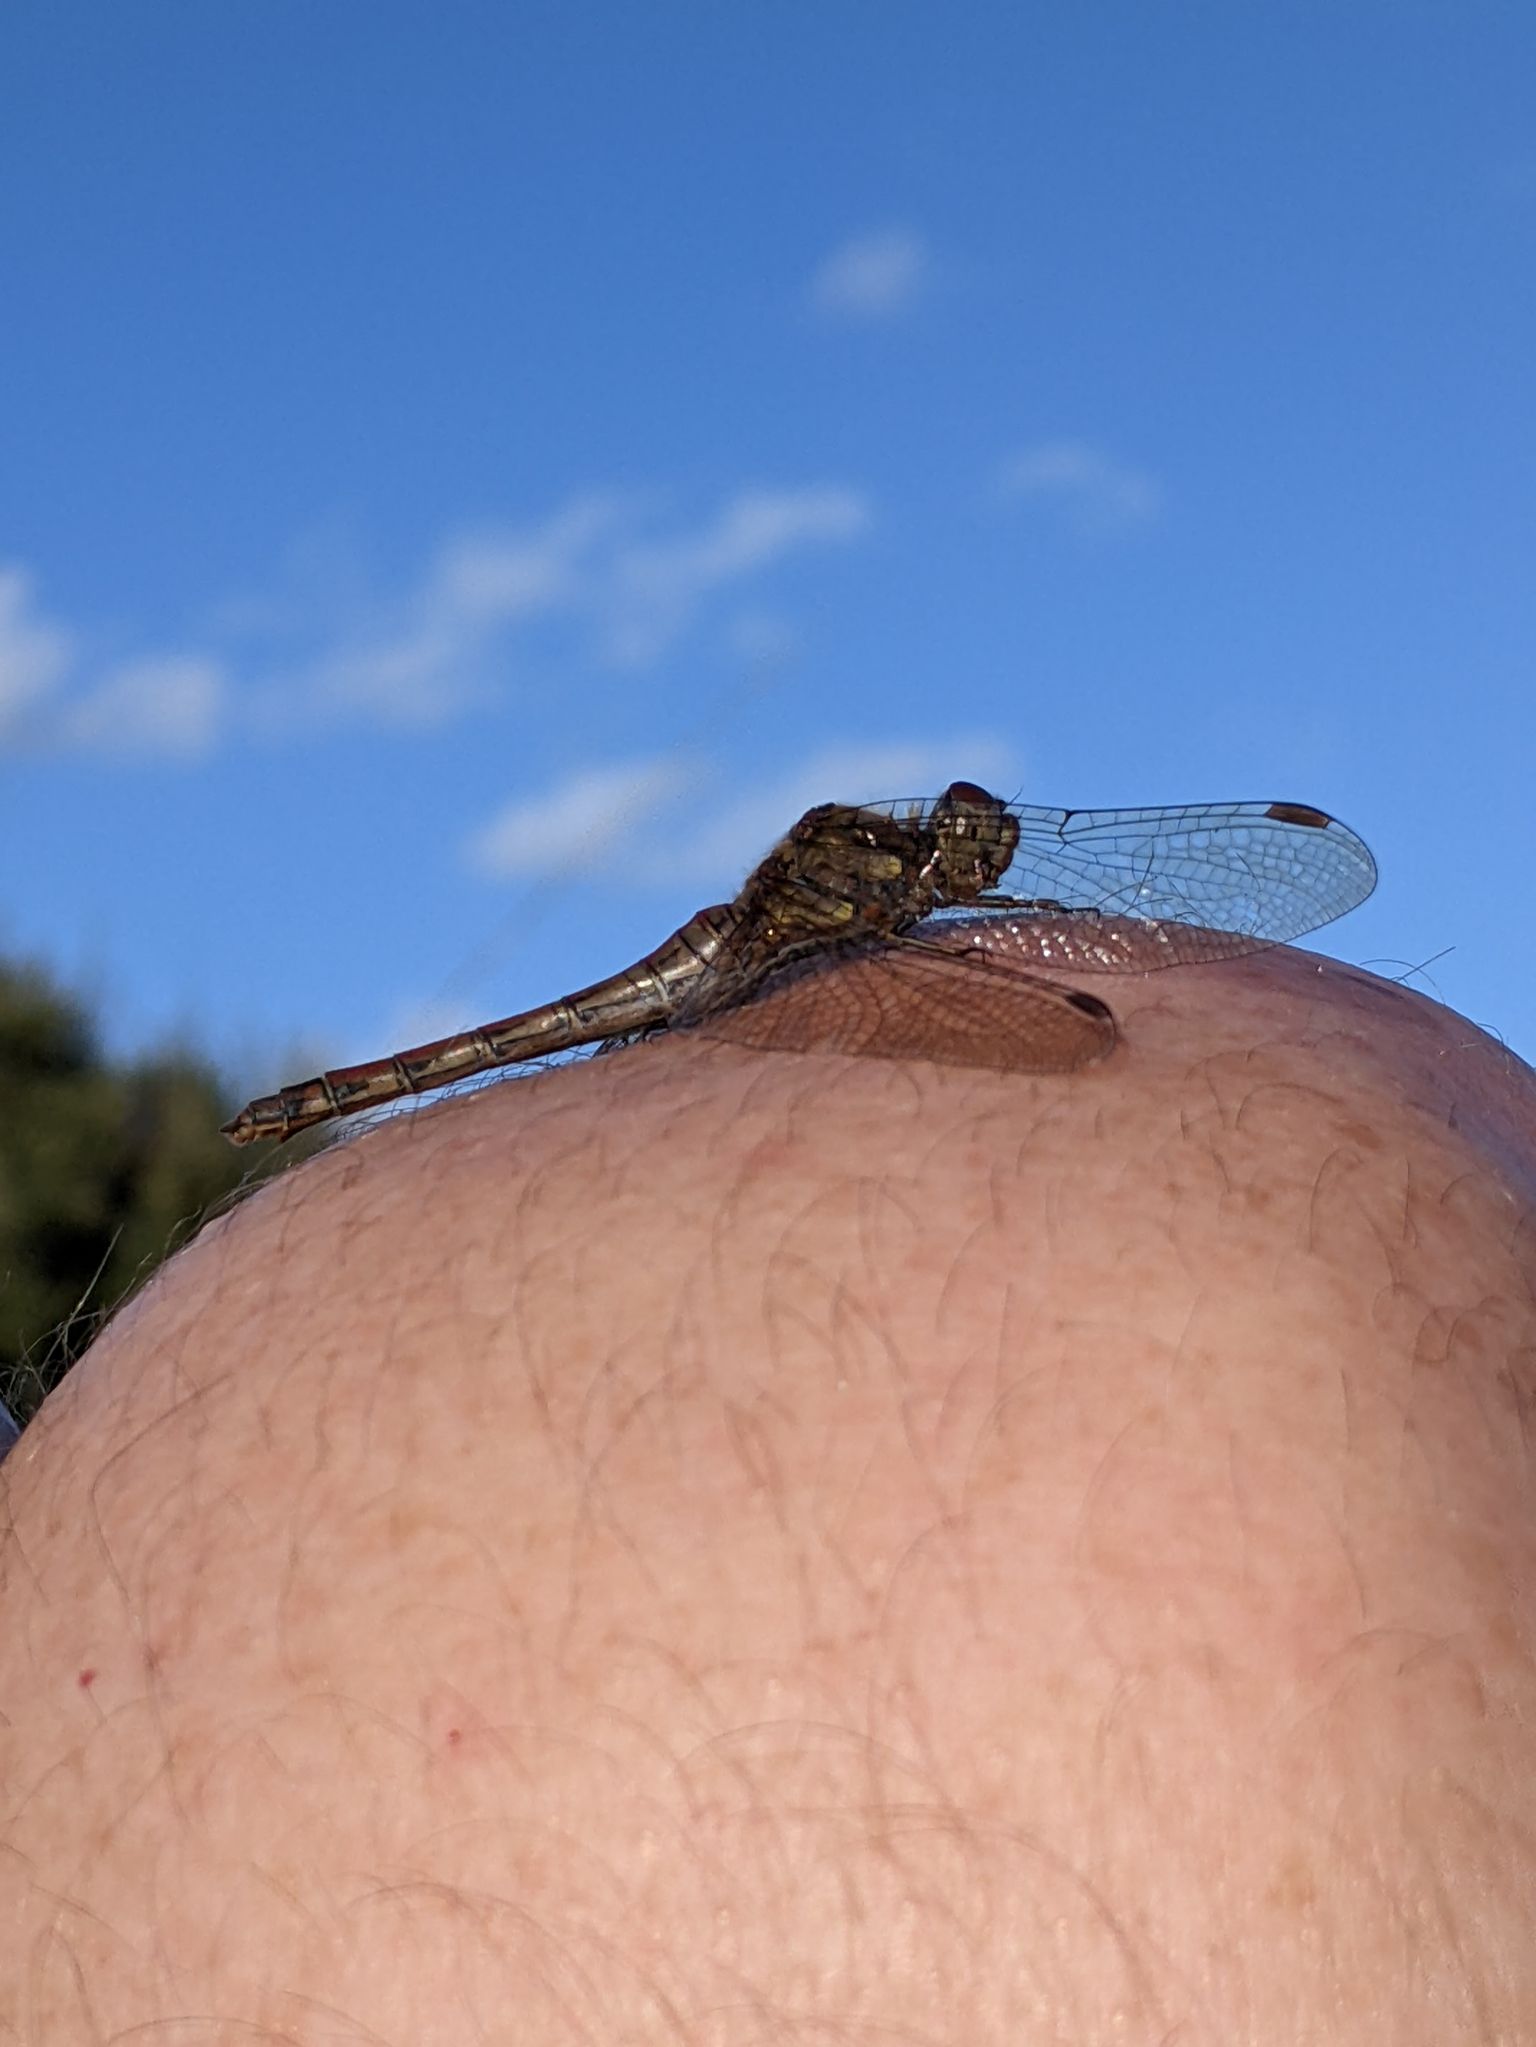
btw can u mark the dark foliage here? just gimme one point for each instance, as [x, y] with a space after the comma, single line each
[104, 1171]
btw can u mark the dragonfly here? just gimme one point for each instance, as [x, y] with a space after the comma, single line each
[947, 907]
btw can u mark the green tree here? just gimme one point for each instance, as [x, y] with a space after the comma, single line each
[104, 1171]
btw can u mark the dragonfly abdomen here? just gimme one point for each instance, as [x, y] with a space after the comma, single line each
[638, 999]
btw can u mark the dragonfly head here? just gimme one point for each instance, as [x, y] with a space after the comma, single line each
[974, 839]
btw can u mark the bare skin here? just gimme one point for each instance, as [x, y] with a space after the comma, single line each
[729, 1548]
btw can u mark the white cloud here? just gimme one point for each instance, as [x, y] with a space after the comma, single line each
[426, 664]
[35, 654]
[416, 678]
[872, 276]
[599, 817]
[1096, 491]
[500, 576]
[577, 824]
[161, 704]
[599, 562]
[658, 585]
[168, 705]
[624, 584]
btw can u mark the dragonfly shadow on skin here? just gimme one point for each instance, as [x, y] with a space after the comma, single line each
[962, 990]
[923, 997]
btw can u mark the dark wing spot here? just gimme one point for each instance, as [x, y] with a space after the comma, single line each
[1299, 813]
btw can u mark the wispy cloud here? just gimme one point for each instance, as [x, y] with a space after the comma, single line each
[169, 706]
[1096, 492]
[873, 276]
[423, 662]
[630, 586]
[658, 585]
[35, 652]
[52, 700]
[626, 583]
[576, 825]
[624, 818]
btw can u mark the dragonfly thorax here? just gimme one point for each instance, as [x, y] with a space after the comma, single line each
[841, 873]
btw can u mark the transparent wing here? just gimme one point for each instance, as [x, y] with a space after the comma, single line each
[1268, 871]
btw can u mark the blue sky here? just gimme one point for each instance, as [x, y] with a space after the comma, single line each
[469, 476]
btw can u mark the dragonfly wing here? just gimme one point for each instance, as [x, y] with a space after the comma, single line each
[913, 1001]
[1265, 871]
[1084, 941]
